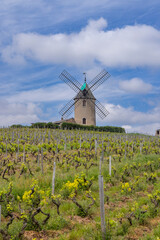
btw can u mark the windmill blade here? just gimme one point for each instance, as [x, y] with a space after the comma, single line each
[64, 111]
[99, 108]
[68, 108]
[98, 80]
[70, 81]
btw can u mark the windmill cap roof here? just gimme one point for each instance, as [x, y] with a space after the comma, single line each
[88, 95]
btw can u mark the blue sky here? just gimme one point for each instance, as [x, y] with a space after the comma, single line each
[39, 39]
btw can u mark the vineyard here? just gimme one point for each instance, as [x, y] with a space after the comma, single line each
[49, 185]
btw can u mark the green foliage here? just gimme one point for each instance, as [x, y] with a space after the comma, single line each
[92, 128]
[44, 125]
[131, 193]
[17, 126]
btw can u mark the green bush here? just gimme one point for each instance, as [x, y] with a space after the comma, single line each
[44, 125]
[70, 126]
[92, 128]
[17, 126]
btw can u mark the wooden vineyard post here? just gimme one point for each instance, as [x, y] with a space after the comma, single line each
[44, 138]
[96, 148]
[38, 157]
[49, 137]
[65, 144]
[102, 152]
[18, 148]
[42, 160]
[108, 148]
[34, 138]
[102, 211]
[24, 153]
[53, 178]
[16, 156]
[141, 144]
[110, 166]
[100, 164]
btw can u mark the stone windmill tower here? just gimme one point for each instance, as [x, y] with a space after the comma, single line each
[84, 104]
[84, 109]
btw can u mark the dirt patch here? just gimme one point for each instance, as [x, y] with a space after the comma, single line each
[29, 235]
[141, 231]
[118, 204]
[138, 233]
[78, 219]
[155, 221]
[150, 189]
[126, 199]
[110, 205]
[141, 194]
[45, 235]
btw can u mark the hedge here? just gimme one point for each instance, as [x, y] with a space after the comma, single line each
[17, 126]
[71, 126]
[92, 128]
[44, 125]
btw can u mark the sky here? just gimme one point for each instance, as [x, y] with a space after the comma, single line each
[39, 39]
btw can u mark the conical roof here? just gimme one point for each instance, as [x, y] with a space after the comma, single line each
[85, 93]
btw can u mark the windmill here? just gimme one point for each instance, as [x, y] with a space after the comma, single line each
[84, 104]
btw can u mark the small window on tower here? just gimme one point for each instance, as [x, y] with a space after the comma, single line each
[84, 103]
[84, 120]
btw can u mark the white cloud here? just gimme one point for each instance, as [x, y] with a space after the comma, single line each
[132, 120]
[57, 92]
[16, 113]
[129, 116]
[30, 16]
[144, 129]
[127, 128]
[135, 85]
[131, 46]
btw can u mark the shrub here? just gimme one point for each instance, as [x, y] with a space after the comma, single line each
[92, 128]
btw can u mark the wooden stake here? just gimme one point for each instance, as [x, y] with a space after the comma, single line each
[42, 160]
[53, 178]
[65, 144]
[95, 146]
[23, 153]
[38, 157]
[102, 210]
[110, 167]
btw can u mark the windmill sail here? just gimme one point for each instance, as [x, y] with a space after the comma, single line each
[98, 80]
[84, 93]
[69, 108]
[70, 81]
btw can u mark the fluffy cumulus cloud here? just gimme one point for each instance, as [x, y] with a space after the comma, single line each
[144, 129]
[132, 120]
[132, 46]
[135, 85]
[17, 113]
[121, 115]
[57, 92]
